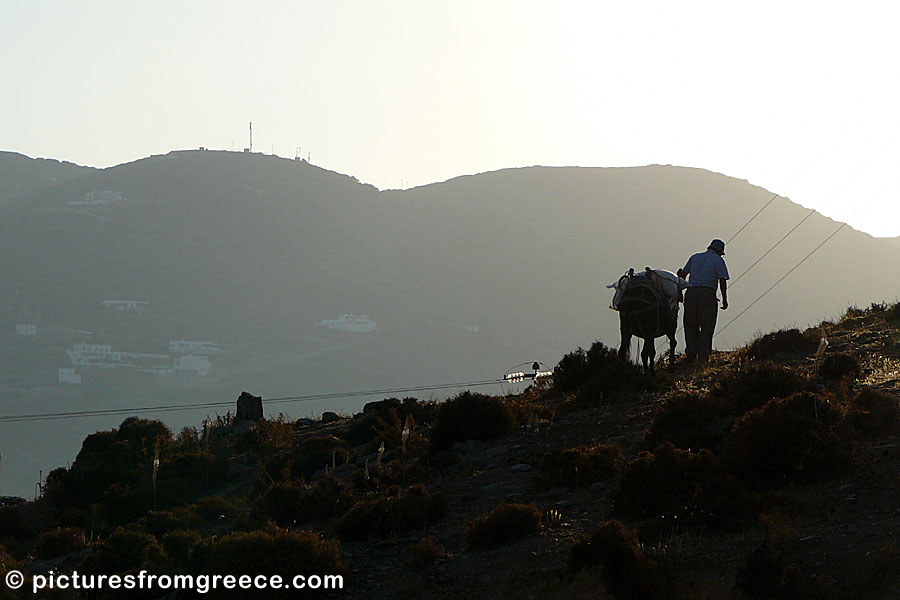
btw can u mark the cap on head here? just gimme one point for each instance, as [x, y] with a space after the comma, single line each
[718, 246]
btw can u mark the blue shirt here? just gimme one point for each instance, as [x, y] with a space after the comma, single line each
[705, 269]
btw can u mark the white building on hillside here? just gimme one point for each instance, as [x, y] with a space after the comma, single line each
[27, 329]
[351, 323]
[103, 198]
[69, 376]
[193, 347]
[124, 305]
[200, 365]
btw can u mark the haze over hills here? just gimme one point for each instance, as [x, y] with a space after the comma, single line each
[464, 278]
[20, 174]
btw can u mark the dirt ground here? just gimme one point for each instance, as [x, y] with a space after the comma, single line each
[844, 533]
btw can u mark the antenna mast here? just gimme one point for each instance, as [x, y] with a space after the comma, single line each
[251, 136]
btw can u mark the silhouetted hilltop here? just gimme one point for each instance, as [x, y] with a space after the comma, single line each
[20, 174]
[225, 242]
[464, 278]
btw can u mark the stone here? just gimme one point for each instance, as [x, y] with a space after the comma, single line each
[249, 408]
[521, 468]
[494, 452]
[242, 427]
[467, 447]
[599, 486]
[330, 417]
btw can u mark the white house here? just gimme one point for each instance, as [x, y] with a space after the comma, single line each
[69, 376]
[103, 198]
[351, 323]
[193, 347]
[27, 329]
[199, 364]
[124, 305]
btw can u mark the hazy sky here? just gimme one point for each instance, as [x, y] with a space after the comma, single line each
[798, 97]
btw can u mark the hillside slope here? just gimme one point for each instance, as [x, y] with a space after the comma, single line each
[226, 244]
[21, 175]
[666, 475]
[464, 278]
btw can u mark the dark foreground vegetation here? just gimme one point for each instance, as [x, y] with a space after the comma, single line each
[706, 483]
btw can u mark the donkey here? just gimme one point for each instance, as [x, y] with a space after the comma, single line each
[645, 311]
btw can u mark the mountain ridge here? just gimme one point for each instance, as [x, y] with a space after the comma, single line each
[466, 276]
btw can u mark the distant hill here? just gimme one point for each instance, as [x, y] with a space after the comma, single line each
[247, 248]
[20, 174]
[464, 278]
[893, 241]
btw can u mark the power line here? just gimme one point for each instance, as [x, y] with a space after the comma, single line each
[286, 399]
[778, 243]
[783, 277]
[758, 260]
[736, 233]
[796, 174]
[744, 226]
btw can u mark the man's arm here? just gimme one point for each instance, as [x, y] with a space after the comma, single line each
[723, 286]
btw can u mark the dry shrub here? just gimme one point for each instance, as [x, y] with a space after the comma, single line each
[426, 553]
[678, 487]
[782, 341]
[158, 522]
[59, 542]
[271, 436]
[124, 550]
[892, 313]
[291, 504]
[269, 552]
[504, 524]
[7, 562]
[218, 511]
[395, 472]
[876, 413]
[212, 515]
[799, 438]
[626, 572]
[597, 376]
[881, 570]
[315, 453]
[579, 467]
[179, 546]
[768, 575]
[839, 365]
[571, 371]
[752, 386]
[689, 420]
[471, 416]
[527, 407]
[383, 421]
[16, 524]
[397, 512]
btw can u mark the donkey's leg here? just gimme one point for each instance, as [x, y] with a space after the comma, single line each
[625, 329]
[648, 354]
[672, 343]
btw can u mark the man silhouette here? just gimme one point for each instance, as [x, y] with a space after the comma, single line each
[703, 271]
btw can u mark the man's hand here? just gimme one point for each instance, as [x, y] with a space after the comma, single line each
[724, 304]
